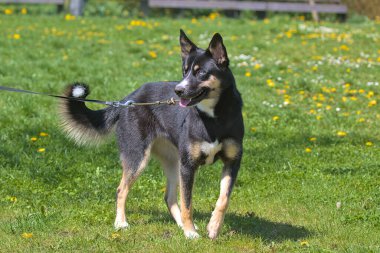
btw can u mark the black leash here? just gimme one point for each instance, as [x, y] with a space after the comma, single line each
[120, 103]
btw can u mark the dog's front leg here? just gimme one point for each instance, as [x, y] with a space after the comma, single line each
[186, 187]
[229, 175]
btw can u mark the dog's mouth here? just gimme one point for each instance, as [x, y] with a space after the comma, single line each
[190, 101]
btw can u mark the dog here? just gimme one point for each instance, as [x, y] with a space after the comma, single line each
[206, 126]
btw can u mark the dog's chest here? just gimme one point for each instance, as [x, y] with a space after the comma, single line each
[209, 150]
[206, 152]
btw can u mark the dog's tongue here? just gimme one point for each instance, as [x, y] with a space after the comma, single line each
[184, 102]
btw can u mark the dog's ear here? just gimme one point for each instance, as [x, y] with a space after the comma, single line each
[187, 45]
[218, 51]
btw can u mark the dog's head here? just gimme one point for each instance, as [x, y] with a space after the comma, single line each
[205, 72]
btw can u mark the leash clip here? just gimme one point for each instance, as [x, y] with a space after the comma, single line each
[127, 103]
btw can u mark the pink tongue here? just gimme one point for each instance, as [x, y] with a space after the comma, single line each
[184, 102]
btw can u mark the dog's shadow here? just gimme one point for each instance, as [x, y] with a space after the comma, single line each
[267, 230]
[252, 226]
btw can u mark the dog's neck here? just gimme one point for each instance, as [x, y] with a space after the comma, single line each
[225, 104]
[207, 106]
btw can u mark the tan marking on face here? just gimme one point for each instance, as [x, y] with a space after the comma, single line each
[196, 67]
[213, 84]
[231, 148]
[195, 150]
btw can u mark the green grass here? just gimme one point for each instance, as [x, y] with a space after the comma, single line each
[286, 196]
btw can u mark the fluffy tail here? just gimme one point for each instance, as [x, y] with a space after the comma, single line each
[82, 124]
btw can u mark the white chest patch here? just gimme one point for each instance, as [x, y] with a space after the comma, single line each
[210, 150]
[207, 106]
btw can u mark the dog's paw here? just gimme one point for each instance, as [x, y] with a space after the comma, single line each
[213, 230]
[191, 235]
[121, 225]
[181, 226]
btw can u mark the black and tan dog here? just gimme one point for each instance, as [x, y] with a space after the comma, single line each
[206, 126]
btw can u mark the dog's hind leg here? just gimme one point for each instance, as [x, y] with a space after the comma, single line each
[133, 165]
[168, 156]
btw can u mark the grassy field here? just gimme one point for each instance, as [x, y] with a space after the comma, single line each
[310, 177]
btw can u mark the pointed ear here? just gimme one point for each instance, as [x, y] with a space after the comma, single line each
[187, 45]
[218, 51]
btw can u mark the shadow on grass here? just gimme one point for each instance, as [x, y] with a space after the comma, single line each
[269, 231]
[249, 225]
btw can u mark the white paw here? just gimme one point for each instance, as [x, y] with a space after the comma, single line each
[191, 235]
[212, 234]
[213, 230]
[121, 225]
[181, 226]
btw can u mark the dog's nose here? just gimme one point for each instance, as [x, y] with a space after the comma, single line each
[179, 90]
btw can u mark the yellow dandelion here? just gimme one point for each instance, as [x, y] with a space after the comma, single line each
[270, 83]
[275, 118]
[318, 117]
[115, 236]
[253, 129]
[313, 139]
[308, 150]
[378, 59]
[153, 54]
[328, 107]
[8, 11]
[266, 21]
[369, 144]
[194, 20]
[139, 42]
[304, 243]
[43, 134]
[27, 235]
[248, 74]
[341, 133]
[372, 103]
[257, 66]
[344, 48]
[353, 98]
[348, 70]
[24, 11]
[213, 15]
[16, 36]
[13, 199]
[370, 94]
[314, 68]
[361, 120]
[41, 150]
[69, 17]
[33, 139]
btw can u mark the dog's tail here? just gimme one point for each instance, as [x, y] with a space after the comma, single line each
[82, 124]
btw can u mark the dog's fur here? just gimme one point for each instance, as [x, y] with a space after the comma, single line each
[206, 126]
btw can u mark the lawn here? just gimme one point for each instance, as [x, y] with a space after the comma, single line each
[310, 176]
